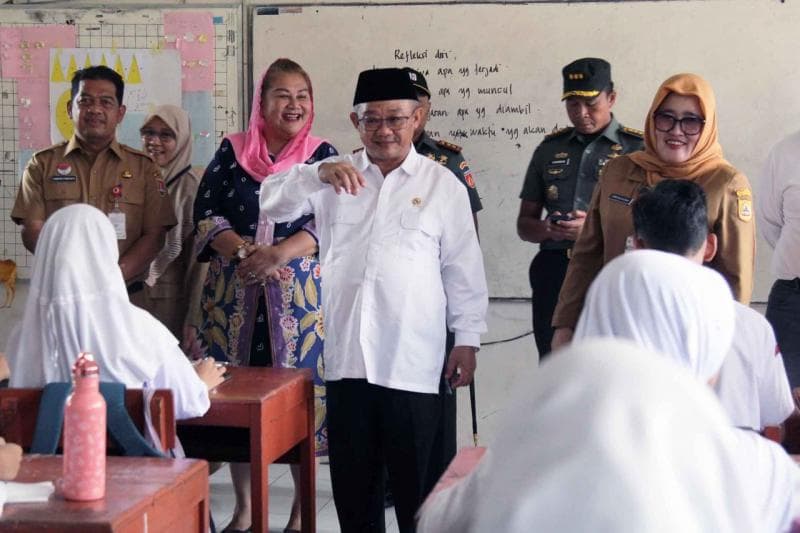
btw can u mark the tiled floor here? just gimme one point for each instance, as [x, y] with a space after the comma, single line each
[280, 500]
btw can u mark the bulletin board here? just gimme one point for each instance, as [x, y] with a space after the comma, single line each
[189, 57]
[495, 73]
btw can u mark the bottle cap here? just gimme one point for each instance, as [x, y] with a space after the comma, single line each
[85, 366]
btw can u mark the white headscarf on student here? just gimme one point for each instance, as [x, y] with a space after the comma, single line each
[663, 302]
[78, 302]
[607, 437]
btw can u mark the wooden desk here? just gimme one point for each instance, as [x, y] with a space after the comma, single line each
[142, 494]
[276, 405]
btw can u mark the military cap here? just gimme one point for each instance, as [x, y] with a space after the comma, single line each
[381, 84]
[588, 77]
[418, 81]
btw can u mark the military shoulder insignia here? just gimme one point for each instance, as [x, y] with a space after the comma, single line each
[633, 131]
[744, 201]
[557, 133]
[450, 146]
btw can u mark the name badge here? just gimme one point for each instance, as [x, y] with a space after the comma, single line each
[118, 221]
[625, 200]
[60, 178]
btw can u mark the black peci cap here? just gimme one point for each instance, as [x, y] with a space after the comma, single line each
[383, 84]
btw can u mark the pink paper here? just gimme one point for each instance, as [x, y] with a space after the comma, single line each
[192, 34]
[25, 50]
[33, 105]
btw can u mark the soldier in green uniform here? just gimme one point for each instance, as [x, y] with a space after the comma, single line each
[446, 153]
[449, 155]
[561, 178]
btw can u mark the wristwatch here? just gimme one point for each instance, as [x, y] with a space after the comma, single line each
[240, 252]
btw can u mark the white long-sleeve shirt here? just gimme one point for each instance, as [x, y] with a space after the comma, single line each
[400, 260]
[778, 206]
[753, 386]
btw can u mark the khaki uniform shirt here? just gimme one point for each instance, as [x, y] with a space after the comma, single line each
[609, 223]
[64, 174]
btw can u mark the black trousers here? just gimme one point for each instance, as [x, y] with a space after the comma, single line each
[547, 272]
[445, 440]
[371, 426]
[783, 312]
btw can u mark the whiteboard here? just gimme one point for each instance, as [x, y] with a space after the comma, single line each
[185, 56]
[747, 49]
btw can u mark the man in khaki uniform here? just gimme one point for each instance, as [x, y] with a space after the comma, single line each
[92, 167]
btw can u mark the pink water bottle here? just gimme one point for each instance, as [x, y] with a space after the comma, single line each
[85, 434]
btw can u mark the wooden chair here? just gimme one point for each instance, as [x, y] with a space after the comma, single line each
[19, 409]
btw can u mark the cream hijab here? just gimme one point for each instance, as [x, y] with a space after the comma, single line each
[707, 155]
[78, 302]
[666, 304]
[604, 437]
[178, 121]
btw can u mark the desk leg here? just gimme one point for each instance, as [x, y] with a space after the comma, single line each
[308, 465]
[259, 476]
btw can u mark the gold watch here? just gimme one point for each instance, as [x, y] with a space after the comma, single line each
[240, 252]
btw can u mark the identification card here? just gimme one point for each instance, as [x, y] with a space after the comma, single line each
[118, 221]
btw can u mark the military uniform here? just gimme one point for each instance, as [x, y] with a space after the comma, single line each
[449, 155]
[561, 176]
[445, 442]
[64, 174]
[609, 227]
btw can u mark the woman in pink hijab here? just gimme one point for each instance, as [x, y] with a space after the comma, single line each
[261, 302]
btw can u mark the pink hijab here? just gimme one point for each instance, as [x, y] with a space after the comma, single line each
[250, 147]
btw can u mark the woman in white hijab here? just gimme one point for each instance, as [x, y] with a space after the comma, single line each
[666, 303]
[607, 437]
[78, 302]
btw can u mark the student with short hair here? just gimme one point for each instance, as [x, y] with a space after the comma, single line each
[752, 386]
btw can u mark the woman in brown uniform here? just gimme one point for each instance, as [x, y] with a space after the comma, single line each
[680, 143]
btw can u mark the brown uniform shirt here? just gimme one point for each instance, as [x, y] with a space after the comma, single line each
[64, 174]
[609, 223]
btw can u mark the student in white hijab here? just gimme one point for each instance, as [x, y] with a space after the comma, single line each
[665, 303]
[606, 437]
[78, 302]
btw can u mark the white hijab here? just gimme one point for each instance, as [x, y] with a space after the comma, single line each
[663, 302]
[607, 438]
[78, 302]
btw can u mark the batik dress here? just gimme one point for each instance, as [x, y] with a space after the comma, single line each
[276, 324]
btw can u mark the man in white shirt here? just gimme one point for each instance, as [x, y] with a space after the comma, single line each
[752, 383]
[400, 260]
[778, 215]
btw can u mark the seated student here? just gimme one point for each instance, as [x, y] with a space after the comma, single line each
[78, 302]
[666, 304]
[608, 437]
[752, 386]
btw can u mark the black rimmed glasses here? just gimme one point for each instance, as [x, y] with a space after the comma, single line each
[690, 125]
[374, 123]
